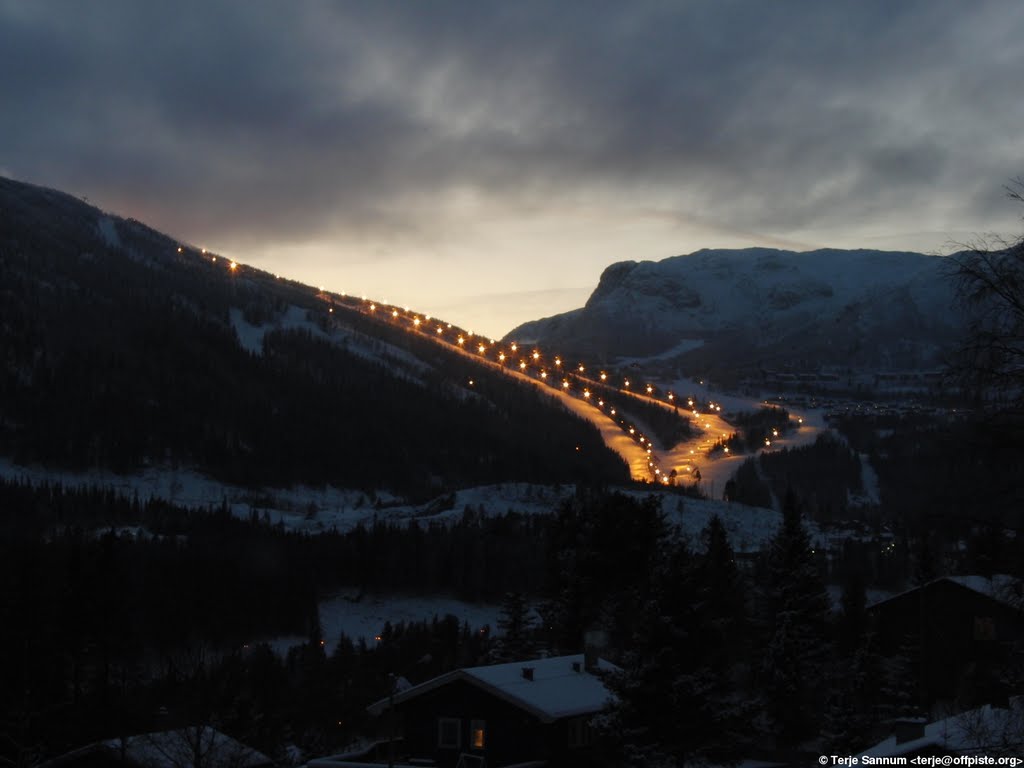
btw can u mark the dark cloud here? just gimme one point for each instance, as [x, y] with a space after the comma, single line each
[245, 121]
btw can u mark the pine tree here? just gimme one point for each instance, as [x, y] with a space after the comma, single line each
[515, 629]
[678, 698]
[794, 665]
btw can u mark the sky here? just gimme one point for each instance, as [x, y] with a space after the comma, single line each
[485, 161]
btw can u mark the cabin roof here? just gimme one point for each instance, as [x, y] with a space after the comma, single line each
[555, 691]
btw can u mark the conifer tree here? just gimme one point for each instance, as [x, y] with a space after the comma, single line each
[515, 626]
[794, 666]
[679, 703]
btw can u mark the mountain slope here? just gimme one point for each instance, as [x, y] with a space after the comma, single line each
[123, 348]
[735, 308]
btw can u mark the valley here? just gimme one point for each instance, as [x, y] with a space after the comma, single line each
[211, 474]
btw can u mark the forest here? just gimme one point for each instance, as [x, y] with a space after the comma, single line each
[127, 615]
[122, 357]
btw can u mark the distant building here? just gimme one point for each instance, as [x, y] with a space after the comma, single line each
[503, 714]
[967, 631]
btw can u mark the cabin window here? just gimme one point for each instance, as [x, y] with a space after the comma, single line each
[580, 733]
[449, 733]
[477, 734]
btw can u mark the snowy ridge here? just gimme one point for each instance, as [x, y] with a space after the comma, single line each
[321, 509]
[857, 307]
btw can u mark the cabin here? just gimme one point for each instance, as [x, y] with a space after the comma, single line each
[965, 632]
[534, 711]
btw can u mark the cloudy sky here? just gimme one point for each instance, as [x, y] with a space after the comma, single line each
[485, 161]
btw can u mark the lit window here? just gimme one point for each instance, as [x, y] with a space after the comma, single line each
[449, 733]
[477, 733]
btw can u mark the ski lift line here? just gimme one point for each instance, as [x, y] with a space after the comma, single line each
[457, 342]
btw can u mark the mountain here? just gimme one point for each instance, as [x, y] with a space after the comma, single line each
[124, 349]
[730, 310]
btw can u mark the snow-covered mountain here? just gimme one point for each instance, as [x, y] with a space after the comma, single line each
[734, 309]
[124, 349]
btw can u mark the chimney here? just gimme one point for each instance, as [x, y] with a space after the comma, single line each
[594, 641]
[528, 673]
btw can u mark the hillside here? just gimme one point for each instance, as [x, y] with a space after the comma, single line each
[759, 308]
[125, 349]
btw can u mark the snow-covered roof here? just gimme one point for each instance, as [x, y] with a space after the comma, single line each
[555, 691]
[186, 748]
[183, 748]
[988, 730]
[1001, 587]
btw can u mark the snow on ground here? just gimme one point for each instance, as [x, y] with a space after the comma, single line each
[251, 336]
[364, 616]
[301, 508]
[869, 481]
[691, 455]
[835, 595]
[749, 528]
[684, 346]
[108, 231]
[320, 509]
[631, 452]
